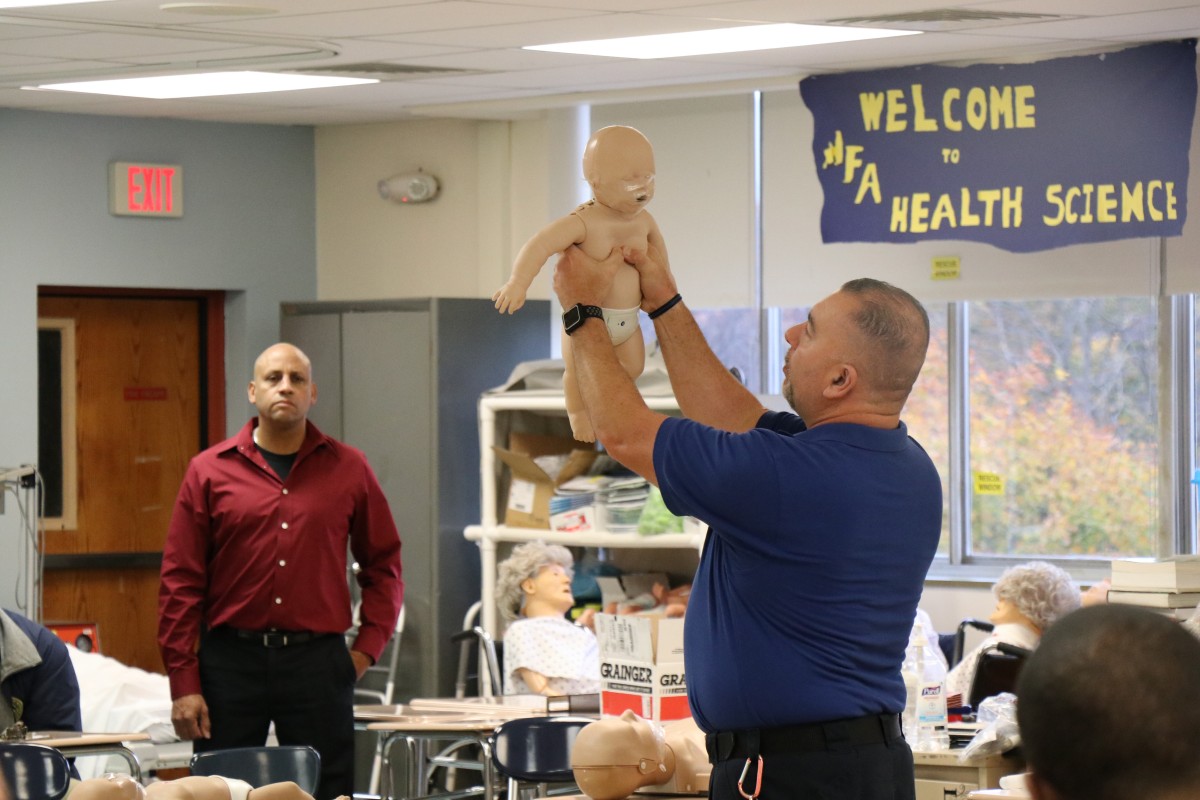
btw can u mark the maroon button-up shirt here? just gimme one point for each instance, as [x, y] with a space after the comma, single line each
[248, 550]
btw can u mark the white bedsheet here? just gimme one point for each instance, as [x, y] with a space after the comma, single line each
[117, 698]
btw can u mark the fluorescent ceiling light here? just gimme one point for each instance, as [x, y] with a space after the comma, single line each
[167, 87]
[720, 40]
[35, 3]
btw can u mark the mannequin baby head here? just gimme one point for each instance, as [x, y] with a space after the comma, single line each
[618, 163]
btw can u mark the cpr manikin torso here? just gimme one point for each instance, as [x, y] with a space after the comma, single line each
[192, 787]
[618, 163]
[617, 756]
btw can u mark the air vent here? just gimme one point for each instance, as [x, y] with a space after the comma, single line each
[943, 18]
[382, 70]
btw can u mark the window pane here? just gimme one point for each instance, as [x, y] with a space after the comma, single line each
[1063, 421]
[732, 333]
[927, 412]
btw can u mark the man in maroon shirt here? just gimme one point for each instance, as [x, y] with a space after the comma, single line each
[254, 599]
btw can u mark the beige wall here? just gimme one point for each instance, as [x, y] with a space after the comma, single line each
[499, 177]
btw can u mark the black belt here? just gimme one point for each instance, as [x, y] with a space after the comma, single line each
[270, 638]
[872, 729]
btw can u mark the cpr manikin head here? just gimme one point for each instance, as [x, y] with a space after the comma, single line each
[535, 581]
[618, 163]
[616, 756]
[113, 786]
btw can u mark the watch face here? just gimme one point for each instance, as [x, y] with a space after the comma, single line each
[574, 316]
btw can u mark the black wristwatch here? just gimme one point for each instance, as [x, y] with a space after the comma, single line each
[574, 316]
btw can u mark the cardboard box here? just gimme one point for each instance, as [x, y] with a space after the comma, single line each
[641, 666]
[530, 487]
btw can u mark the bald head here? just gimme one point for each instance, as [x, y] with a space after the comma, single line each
[282, 390]
[894, 330]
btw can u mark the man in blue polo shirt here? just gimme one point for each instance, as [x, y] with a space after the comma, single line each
[822, 524]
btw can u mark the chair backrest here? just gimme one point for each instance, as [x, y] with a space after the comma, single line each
[996, 672]
[960, 637]
[488, 659]
[259, 766]
[537, 749]
[34, 771]
[389, 669]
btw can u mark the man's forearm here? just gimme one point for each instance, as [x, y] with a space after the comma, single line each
[622, 421]
[705, 389]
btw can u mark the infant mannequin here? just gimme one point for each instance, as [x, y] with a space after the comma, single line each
[544, 653]
[618, 163]
[615, 756]
[192, 787]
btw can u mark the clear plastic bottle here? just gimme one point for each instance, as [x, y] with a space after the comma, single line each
[932, 733]
[913, 673]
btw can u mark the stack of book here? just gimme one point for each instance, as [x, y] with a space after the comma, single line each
[1170, 586]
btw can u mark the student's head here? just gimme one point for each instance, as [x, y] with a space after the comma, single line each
[1108, 708]
[1035, 594]
[282, 388]
[534, 569]
[618, 163]
[865, 342]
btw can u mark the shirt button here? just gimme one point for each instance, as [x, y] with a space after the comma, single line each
[285, 491]
[285, 526]
[278, 600]
[282, 562]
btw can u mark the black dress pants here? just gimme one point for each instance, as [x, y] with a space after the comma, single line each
[306, 689]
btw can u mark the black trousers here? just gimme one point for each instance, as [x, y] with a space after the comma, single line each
[306, 689]
[858, 759]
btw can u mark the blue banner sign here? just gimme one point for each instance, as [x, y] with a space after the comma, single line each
[1022, 156]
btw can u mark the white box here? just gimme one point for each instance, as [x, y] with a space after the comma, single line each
[641, 666]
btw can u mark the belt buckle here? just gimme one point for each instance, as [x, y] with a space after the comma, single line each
[274, 639]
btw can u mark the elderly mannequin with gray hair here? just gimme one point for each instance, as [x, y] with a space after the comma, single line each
[544, 652]
[1029, 598]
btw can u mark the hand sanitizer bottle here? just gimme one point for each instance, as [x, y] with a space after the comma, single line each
[931, 717]
[913, 672]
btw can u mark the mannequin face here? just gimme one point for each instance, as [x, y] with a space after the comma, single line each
[549, 588]
[1005, 613]
[619, 165]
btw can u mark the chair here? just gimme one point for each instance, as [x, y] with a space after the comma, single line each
[488, 676]
[34, 771]
[536, 750]
[388, 669]
[259, 766]
[960, 637]
[996, 672]
[384, 697]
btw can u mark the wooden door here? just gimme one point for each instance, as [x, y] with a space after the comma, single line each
[141, 394]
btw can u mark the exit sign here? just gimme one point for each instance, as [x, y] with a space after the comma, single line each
[145, 190]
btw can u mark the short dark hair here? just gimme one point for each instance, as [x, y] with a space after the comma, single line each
[1109, 706]
[895, 321]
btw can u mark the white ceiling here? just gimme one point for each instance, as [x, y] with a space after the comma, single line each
[463, 57]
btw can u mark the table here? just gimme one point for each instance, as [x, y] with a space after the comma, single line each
[76, 743]
[943, 774]
[418, 729]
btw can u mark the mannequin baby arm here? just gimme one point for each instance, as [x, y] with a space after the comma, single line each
[554, 238]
